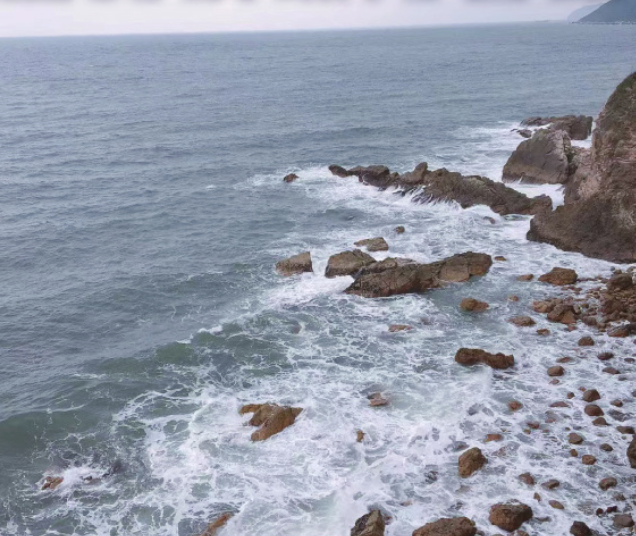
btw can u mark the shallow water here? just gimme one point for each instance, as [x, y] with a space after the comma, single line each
[142, 213]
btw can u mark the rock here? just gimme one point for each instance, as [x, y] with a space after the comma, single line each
[524, 133]
[527, 478]
[395, 328]
[556, 504]
[513, 298]
[414, 278]
[522, 321]
[543, 159]
[593, 410]
[591, 395]
[598, 218]
[586, 341]
[575, 438]
[525, 277]
[373, 244]
[574, 453]
[559, 276]
[509, 516]
[588, 459]
[617, 403]
[360, 436]
[623, 521]
[290, 178]
[578, 127]
[270, 418]
[626, 330]
[551, 484]
[371, 524]
[475, 356]
[493, 437]
[607, 483]
[389, 263]
[52, 482]
[563, 314]
[627, 430]
[297, 264]
[452, 526]
[599, 421]
[515, 405]
[500, 258]
[620, 281]
[376, 400]
[473, 305]
[218, 523]
[379, 176]
[347, 263]
[559, 404]
[471, 461]
[611, 370]
[606, 447]
[579, 528]
[543, 332]
[556, 371]
[339, 171]
[605, 356]
[400, 229]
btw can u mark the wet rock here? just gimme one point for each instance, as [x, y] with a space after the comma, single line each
[557, 370]
[543, 332]
[574, 453]
[543, 159]
[395, 328]
[339, 171]
[527, 478]
[415, 278]
[551, 484]
[377, 400]
[218, 523]
[513, 298]
[347, 263]
[510, 516]
[578, 127]
[493, 437]
[611, 370]
[627, 430]
[605, 356]
[473, 305]
[591, 395]
[559, 276]
[579, 528]
[525, 277]
[290, 178]
[371, 524]
[270, 418]
[559, 404]
[360, 436]
[515, 405]
[556, 504]
[620, 282]
[562, 313]
[500, 258]
[588, 459]
[626, 330]
[575, 438]
[606, 447]
[471, 461]
[453, 526]
[599, 421]
[617, 403]
[373, 244]
[586, 341]
[623, 521]
[524, 132]
[475, 356]
[631, 454]
[297, 264]
[564, 360]
[593, 410]
[522, 321]
[52, 482]
[400, 229]
[607, 483]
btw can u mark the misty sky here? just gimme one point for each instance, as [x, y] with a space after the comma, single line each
[96, 17]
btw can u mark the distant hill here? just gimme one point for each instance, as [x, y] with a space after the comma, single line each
[584, 11]
[613, 11]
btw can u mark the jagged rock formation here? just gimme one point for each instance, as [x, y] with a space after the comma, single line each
[599, 215]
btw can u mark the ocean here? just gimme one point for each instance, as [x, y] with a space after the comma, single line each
[142, 212]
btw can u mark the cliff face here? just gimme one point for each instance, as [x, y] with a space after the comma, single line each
[599, 215]
[613, 11]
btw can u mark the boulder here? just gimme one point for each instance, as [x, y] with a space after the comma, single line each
[543, 159]
[297, 264]
[371, 524]
[452, 526]
[218, 523]
[473, 305]
[474, 356]
[414, 277]
[607, 483]
[591, 395]
[270, 418]
[559, 276]
[471, 461]
[510, 516]
[522, 321]
[578, 127]
[347, 263]
[290, 178]
[373, 244]
[598, 218]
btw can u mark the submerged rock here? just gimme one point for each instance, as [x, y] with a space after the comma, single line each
[510, 516]
[474, 356]
[450, 526]
[371, 524]
[373, 244]
[270, 418]
[218, 523]
[290, 178]
[347, 263]
[413, 277]
[297, 264]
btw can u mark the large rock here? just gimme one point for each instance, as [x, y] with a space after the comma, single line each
[510, 516]
[578, 127]
[373, 244]
[412, 278]
[297, 264]
[347, 263]
[450, 526]
[560, 276]
[471, 461]
[270, 418]
[371, 524]
[543, 159]
[469, 357]
[598, 218]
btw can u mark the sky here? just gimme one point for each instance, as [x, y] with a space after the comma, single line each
[99, 17]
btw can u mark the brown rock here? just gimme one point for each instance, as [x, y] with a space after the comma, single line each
[606, 447]
[509, 516]
[290, 178]
[400, 229]
[473, 305]
[626, 330]
[339, 171]
[500, 258]
[623, 521]
[395, 328]
[559, 276]
[586, 341]
[475, 356]
[593, 410]
[556, 504]
[493, 437]
[525, 277]
[52, 482]
[270, 418]
[617, 403]
[556, 371]
[580, 529]
[347, 263]
[515, 405]
[578, 127]
[559, 404]
[605, 356]
[371, 524]
[591, 395]
[628, 430]
[373, 244]
[551, 484]
[574, 453]
[575, 438]
[360, 436]
[611, 370]
[471, 461]
[543, 332]
[588, 459]
[522, 321]
[527, 478]
[599, 421]
[297, 264]
[218, 523]
[607, 483]
[454, 526]
[377, 400]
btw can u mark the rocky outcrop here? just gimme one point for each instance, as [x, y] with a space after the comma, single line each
[598, 218]
[578, 127]
[469, 357]
[373, 244]
[510, 516]
[414, 277]
[450, 526]
[270, 418]
[471, 461]
[445, 186]
[371, 524]
[543, 159]
[347, 263]
[297, 264]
